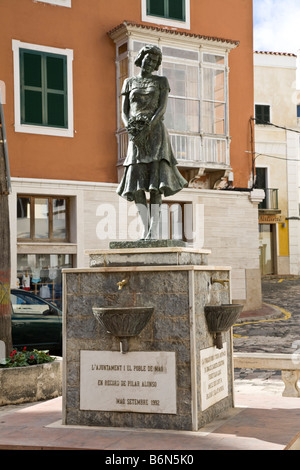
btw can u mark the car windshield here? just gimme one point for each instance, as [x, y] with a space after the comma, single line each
[23, 303]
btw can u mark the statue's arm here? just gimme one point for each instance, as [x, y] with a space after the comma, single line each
[158, 115]
[125, 109]
[125, 101]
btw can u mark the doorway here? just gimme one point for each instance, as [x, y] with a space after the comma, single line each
[267, 234]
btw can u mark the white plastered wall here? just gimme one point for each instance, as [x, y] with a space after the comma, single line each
[225, 222]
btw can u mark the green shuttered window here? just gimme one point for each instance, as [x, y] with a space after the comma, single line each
[43, 82]
[262, 114]
[172, 9]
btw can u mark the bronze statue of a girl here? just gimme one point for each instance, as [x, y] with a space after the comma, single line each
[150, 165]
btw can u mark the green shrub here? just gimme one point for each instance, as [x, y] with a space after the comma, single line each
[26, 358]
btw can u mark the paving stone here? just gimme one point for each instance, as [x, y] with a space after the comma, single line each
[269, 329]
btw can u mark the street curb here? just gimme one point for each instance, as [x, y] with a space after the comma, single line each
[266, 312]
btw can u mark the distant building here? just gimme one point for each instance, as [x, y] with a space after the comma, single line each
[277, 161]
[62, 64]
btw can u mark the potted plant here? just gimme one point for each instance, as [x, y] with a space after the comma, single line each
[28, 376]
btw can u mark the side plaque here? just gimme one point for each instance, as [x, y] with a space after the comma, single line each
[141, 382]
[214, 379]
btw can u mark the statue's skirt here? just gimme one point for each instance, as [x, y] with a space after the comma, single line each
[155, 176]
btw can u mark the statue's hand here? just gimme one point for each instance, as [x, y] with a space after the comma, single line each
[141, 138]
[139, 129]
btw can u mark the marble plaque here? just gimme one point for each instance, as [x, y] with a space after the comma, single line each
[214, 375]
[141, 382]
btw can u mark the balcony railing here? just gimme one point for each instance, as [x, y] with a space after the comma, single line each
[271, 199]
[189, 149]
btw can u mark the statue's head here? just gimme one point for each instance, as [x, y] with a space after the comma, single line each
[146, 50]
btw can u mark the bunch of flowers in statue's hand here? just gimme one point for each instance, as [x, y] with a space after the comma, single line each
[136, 128]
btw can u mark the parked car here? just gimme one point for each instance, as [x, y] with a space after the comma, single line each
[36, 323]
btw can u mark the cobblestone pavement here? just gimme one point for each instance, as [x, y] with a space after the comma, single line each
[278, 333]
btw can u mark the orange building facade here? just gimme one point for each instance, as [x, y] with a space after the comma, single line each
[62, 66]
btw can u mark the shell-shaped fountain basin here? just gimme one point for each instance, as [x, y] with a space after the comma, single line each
[222, 317]
[123, 321]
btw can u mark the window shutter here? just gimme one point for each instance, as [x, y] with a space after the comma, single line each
[43, 79]
[172, 9]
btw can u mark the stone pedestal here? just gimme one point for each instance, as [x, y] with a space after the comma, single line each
[173, 376]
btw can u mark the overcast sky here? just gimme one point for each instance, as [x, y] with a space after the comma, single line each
[277, 25]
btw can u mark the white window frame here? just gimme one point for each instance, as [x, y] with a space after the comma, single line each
[42, 130]
[214, 149]
[209, 149]
[60, 3]
[165, 21]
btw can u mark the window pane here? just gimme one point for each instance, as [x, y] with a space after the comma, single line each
[59, 218]
[208, 84]
[23, 217]
[178, 80]
[183, 79]
[169, 70]
[25, 304]
[192, 82]
[193, 114]
[56, 109]
[182, 115]
[41, 218]
[123, 48]
[32, 69]
[33, 113]
[156, 7]
[169, 114]
[175, 115]
[219, 118]
[213, 85]
[214, 59]
[213, 118]
[137, 45]
[181, 53]
[219, 85]
[208, 117]
[44, 272]
[176, 9]
[55, 73]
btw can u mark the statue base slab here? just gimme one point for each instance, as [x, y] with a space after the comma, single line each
[147, 244]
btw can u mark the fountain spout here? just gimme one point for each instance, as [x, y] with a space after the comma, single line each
[122, 283]
[220, 281]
